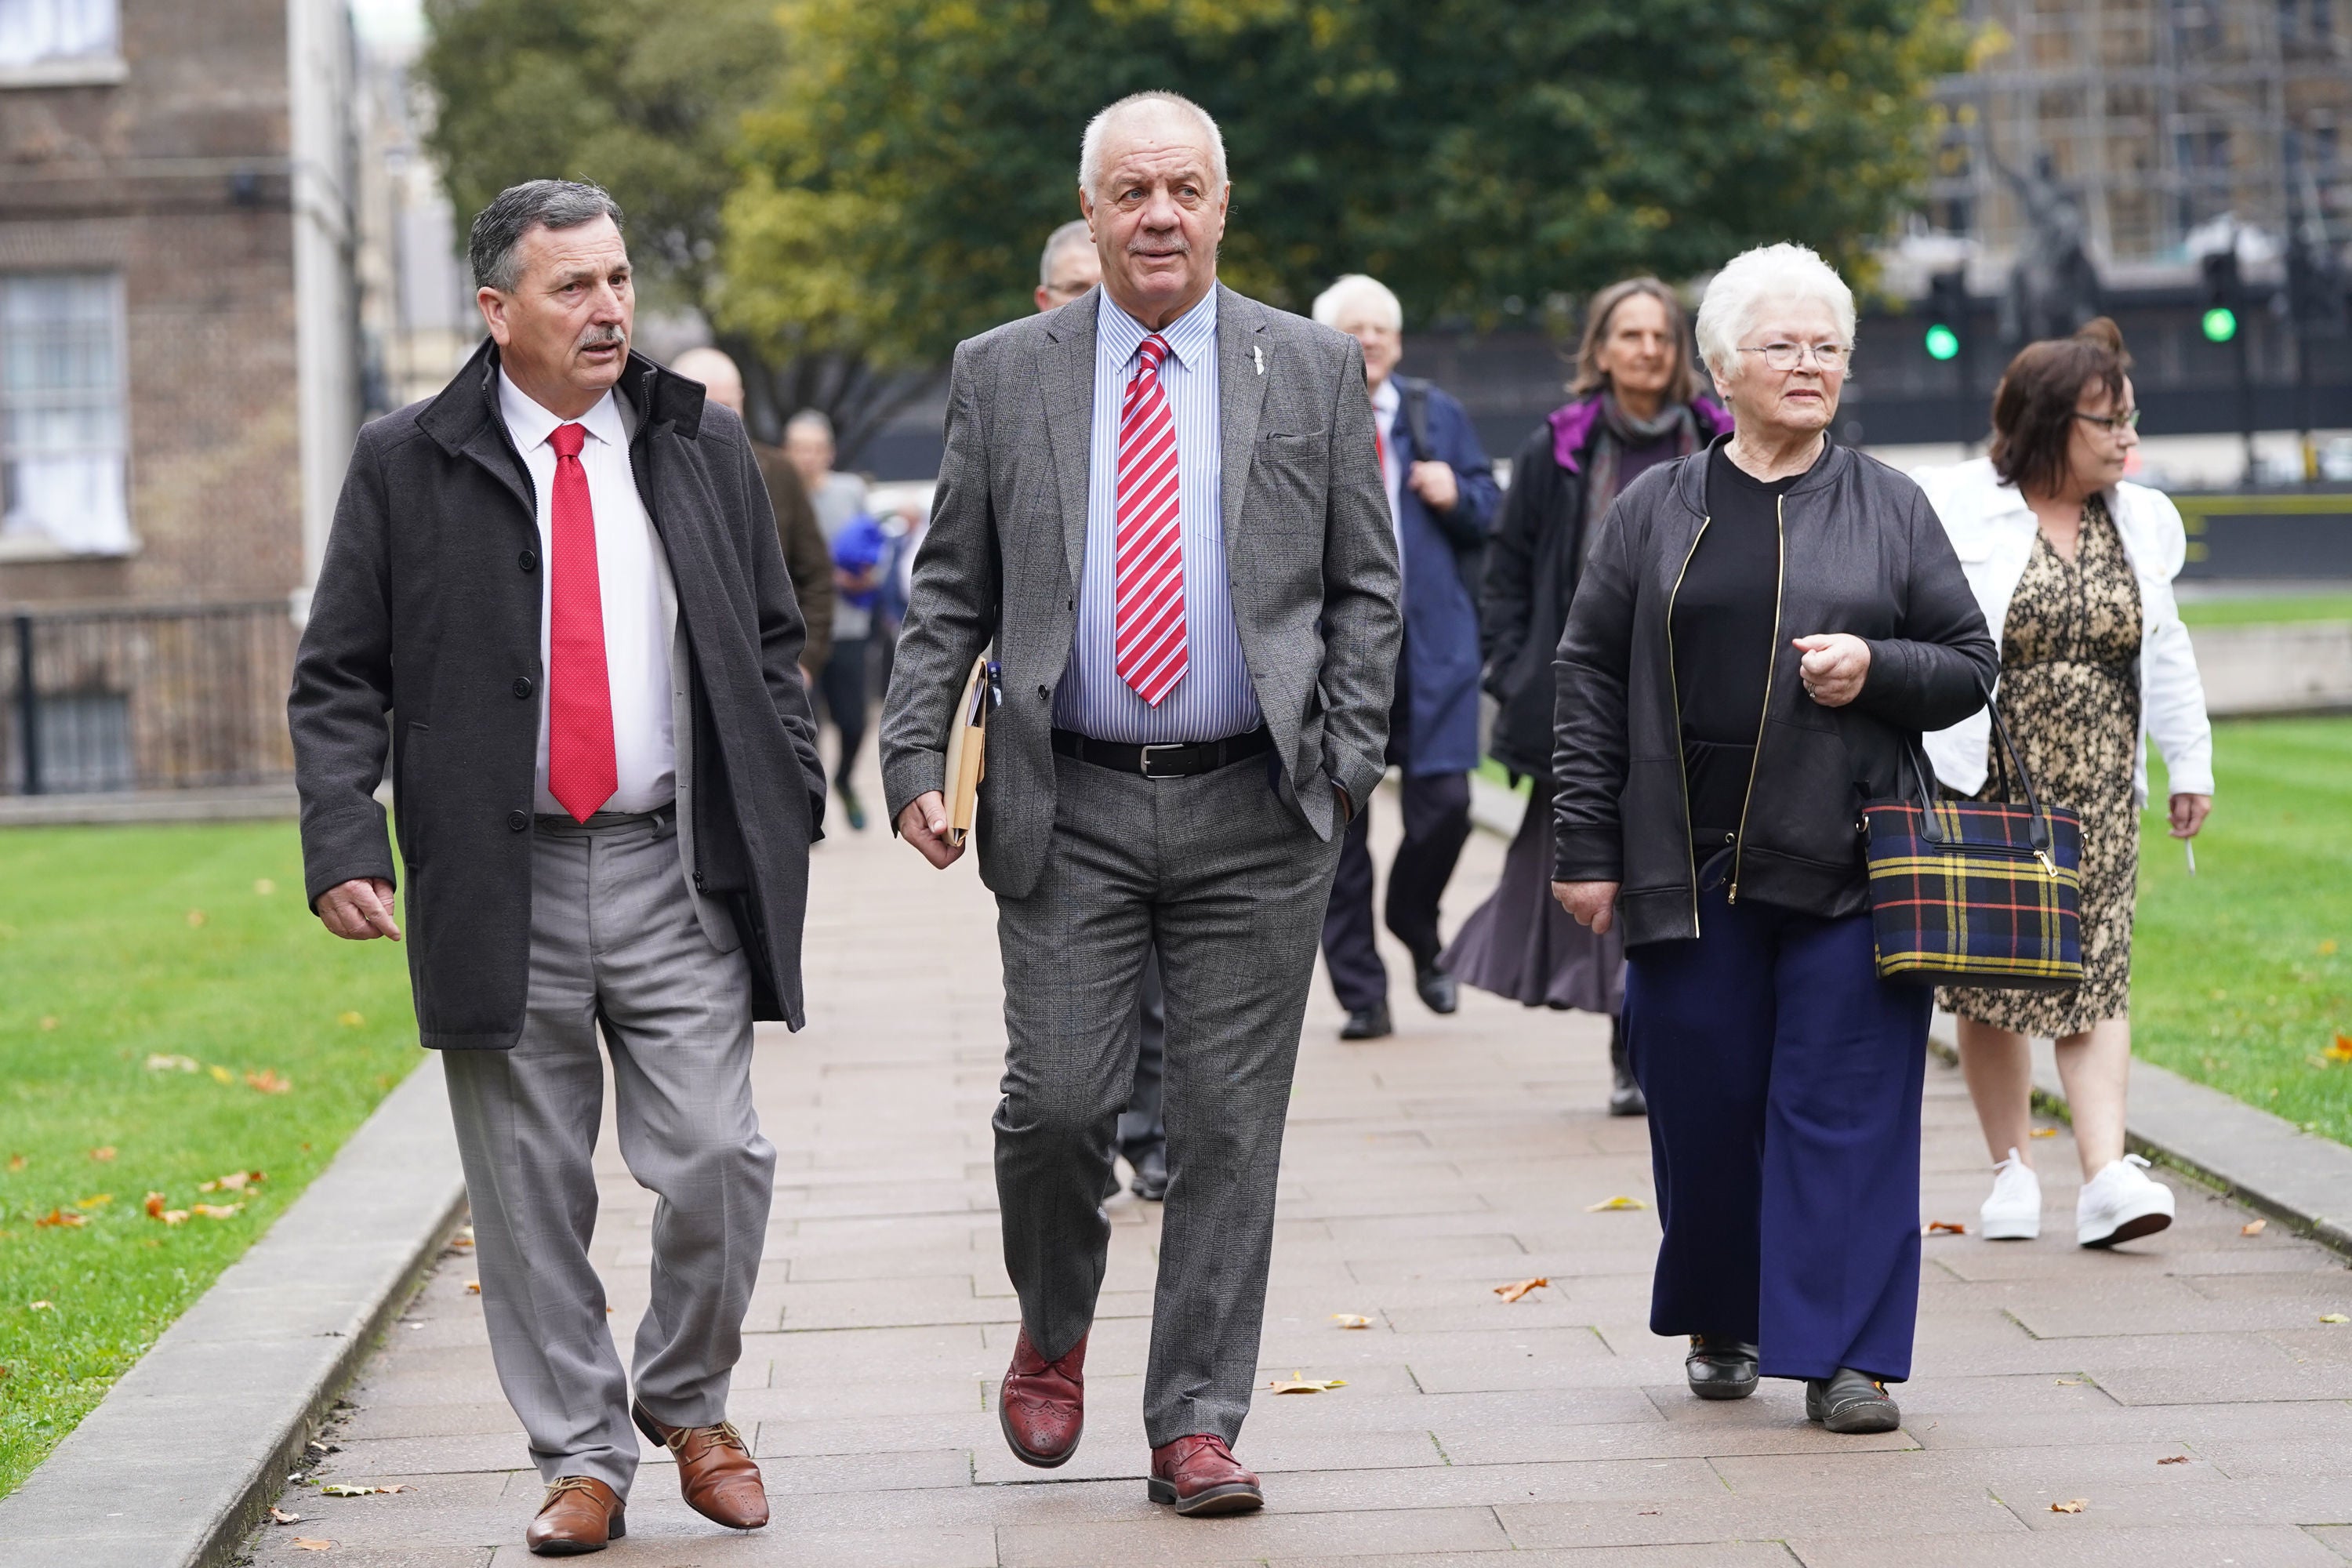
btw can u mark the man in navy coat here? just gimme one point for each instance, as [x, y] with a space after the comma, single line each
[1442, 499]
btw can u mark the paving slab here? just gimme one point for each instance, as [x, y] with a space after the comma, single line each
[1419, 1172]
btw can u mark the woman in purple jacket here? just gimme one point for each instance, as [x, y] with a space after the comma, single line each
[1635, 403]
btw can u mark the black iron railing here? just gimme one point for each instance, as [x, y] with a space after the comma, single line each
[144, 697]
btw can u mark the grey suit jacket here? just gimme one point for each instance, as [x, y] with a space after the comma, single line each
[1308, 550]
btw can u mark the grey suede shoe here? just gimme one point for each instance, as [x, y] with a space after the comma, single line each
[1720, 1367]
[1852, 1403]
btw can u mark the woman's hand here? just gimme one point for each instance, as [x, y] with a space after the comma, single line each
[1592, 903]
[2188, 813]
[1834, 666]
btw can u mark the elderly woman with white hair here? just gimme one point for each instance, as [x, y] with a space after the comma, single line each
[1764, 629]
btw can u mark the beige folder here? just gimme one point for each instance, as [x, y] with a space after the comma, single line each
[968, 753]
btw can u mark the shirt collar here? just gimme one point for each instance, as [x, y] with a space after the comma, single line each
[1385, 398]
[529, 423]
[1189, 337]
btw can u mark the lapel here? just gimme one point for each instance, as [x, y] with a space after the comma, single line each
[463, 418]
[1242, 347]
[1067, 382]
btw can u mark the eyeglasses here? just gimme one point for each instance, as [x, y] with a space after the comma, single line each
[1831, 357]
[2112, 424]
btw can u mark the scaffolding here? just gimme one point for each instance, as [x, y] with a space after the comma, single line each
[2168, 121]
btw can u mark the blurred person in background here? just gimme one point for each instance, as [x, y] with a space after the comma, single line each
[1634, 403]
[1763, 631]
[805, 554]
[1442, 497]
[1068, 268]
[2074, 567]
[846, 680]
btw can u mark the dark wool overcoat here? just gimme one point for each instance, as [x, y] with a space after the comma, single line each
[424, 633]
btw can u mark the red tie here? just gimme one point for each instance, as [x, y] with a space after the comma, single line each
[1148, 626]
[581, 773]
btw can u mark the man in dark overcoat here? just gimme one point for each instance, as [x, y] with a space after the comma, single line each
[556, 590]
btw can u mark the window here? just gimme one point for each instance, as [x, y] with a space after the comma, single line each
[40, 31]
[61, 418]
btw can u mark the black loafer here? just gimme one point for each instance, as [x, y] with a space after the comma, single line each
[1440, 991]
[1150, 1174]
[1367, 1023]
[1720, 1367]
[1852, 1401]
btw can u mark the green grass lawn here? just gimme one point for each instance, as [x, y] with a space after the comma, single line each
[121, 947]
[2260, 611]
[2241, 976]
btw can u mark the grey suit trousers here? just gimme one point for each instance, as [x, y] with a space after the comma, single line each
[615, 942]
[1229, 886]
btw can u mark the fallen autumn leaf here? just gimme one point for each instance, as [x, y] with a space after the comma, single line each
[1519, 1287]
[313, 1543]
[195, 919]
[473, 1286]
[2333, 1318]
[350, 1020]
[2254, 1227]
[235, 1181]
[1945, 1227]
[96, 1201]
[216, 1211]
[103, 1153]
[279, 1516]
[2072, 1505]
[159, 1062]
[2341, 1051]
[267, 1081]
[1299, 1384]
[264, 887]
[1620, 1202]
[2174, 1459]
[44, 1306]
[2044, 1132]
[1351, 1320]
[57, 1219]
[221, 1074]
[17, 1162]
[339, 1489]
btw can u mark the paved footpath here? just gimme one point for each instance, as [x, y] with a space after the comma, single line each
[2186, 1388]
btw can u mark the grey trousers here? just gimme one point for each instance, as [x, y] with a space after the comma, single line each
[615, 942]
[1230, 887]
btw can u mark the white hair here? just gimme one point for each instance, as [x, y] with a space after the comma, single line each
[1754, 281]
[1070, 236]
[1358, 295]
[1090, 146]
[812, 420]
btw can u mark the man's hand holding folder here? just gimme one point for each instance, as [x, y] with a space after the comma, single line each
[938, 823]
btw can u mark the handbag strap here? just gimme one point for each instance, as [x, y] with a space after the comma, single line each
[2037, 827]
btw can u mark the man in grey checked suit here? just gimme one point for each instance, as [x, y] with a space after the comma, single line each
[1124, 810]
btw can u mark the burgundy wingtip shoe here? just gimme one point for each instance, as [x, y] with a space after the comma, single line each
[1199, 1476]
[1042, 1404]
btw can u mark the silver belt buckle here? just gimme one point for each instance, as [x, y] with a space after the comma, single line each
[1143, 756]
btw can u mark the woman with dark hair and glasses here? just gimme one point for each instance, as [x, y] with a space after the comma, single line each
[1635, 403]
[2074, 567]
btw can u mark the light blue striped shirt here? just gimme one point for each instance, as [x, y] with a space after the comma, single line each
[1215, 698]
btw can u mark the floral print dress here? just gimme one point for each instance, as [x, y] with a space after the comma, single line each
[2070, 692]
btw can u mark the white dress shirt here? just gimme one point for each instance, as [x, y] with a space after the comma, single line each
[1386, 400]
[634, 580]
[1215, 698]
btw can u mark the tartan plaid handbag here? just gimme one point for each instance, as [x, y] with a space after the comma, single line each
[1976, 893]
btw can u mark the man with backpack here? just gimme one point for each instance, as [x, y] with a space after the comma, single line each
[1442, 500]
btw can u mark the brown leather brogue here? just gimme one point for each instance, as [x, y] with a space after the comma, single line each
[1201, 1477]
[579, 1514]
[715, 1473]
[1042, 1404]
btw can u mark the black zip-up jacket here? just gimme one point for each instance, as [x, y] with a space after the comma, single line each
[1860, 552]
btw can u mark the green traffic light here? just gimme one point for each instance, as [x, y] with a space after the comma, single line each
[2220, 324]
[1942, 343]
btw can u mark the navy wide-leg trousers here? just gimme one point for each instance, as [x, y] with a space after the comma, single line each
[1783, 1077]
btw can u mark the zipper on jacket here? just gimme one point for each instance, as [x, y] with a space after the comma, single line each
[1675, 693]
[1780, 592]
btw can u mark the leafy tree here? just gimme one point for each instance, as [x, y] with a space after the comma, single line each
[644, 97]
[1482, 156]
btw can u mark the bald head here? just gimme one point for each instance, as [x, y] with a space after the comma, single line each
[721, 380]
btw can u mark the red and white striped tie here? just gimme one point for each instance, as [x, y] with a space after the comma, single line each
[1148, 628]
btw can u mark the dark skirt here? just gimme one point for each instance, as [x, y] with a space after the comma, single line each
[1521, 944]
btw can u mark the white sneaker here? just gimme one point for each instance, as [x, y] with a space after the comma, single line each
[2013, 1213]
[2120, 1204]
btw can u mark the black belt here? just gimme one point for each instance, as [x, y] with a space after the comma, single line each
[1170, 761]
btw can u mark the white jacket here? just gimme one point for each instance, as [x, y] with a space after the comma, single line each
[1992, 530]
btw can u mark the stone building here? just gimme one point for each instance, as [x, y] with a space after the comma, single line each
[179, 367]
